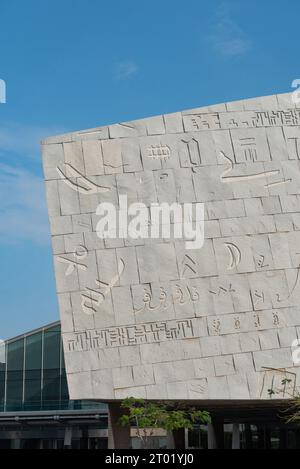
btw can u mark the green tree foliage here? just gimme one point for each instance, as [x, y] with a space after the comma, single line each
[146, 416]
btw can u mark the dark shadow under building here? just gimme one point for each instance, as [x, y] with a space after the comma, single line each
[36, 412]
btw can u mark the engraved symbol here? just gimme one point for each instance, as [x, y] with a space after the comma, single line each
[85, 186]
[81, 254]
[206, 121]
[276, 320]
[115, 166]
[256, 318]
[233, 123]
[237, 323]
[279, 382]
[250, 150]
[179, 295]
[216, 325]
[278, 183]
[147, 300]
[159, 151]
[223, 290]
[114, 280]
[83, 224]
[91, 300]
[235, 255]
[193, 150]
[293, 143]
[198, 388]
[294, 286]
[261, 261]
[163, 298]
[259, 297]
[194, 295]
[225, 178]
[93, 303]
[188, 264]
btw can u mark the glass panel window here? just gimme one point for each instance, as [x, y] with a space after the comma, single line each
[51, 368]
[33, 371]
[2, 386]
[15, 372]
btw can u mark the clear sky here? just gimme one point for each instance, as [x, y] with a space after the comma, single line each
[76, 64]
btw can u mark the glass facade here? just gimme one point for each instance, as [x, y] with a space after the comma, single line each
[33, 377]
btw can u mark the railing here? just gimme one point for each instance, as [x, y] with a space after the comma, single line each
[16, 406]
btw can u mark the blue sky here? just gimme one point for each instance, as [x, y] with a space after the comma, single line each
[75, 64]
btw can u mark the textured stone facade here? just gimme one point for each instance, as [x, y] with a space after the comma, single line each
[147, 318]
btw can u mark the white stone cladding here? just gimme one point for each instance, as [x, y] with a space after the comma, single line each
[230, 311]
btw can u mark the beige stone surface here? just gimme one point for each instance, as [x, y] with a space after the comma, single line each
[147, 318]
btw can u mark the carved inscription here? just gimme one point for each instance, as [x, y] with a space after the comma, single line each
[91, 299]
[278, 383]
[244, 322]
[80, 254]
[79, 183]
[233, 120]
[159, 152]
[131, 335]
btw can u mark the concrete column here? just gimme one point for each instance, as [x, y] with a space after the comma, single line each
[179, 438]
[118, 436]
[170, 441]
[236, 440]
[16, 444]
[211, 437]
[216, 434]
[68, 438]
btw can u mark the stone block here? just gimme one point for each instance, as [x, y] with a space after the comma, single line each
[122, 377]
[112, 156]
[131, 155]
[287, 336]
[143, 375]
[53, 157]
[58, 244]
[130, 356]
[61, 225]
[243, 363]
[65, 306]
[74, 156]
[218, 388]
[210, 346]
[82, 223]
[238, 386]
[204, 367]
[253, 206]
[102, 382]
[123, 307]
[80, 383]
[173, 123]
[155, 125]
[249, 341]
[53, 200]
[177, 391]
[93, 158]
[279, 358]
[139, 392]
[148, 317]
[280, 251]
[250, 145]
[268, 340]
[163, 373]
[224, 365]
[230, 344]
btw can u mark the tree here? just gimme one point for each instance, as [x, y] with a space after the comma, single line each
[293, 411]
[146, 416]
[291, 414]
